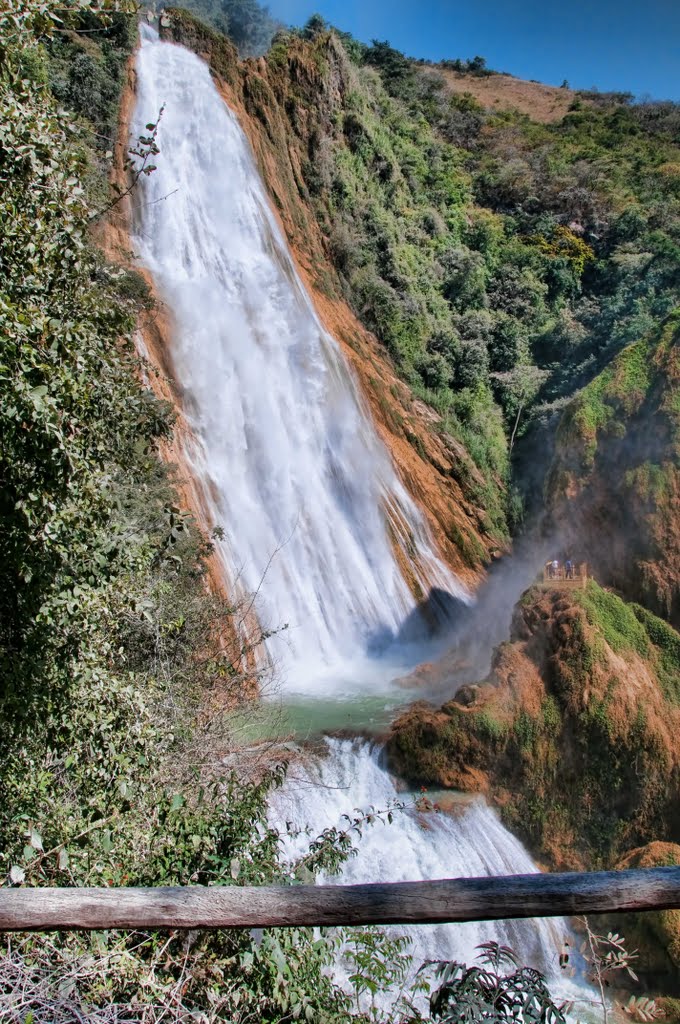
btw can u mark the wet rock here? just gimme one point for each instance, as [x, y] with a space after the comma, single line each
[467, 695]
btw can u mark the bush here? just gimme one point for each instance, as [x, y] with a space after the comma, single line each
[434, 370]
[472, 367]
[499, 989]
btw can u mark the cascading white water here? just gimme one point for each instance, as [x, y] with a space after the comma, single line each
[417, 845]
[290, 464]
[292, 470]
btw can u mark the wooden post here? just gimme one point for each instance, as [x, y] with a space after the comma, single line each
[446, 900]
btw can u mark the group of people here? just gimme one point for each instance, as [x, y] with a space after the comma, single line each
[555, 569]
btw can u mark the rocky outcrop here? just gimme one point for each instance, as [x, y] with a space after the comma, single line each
[614, 488]
[574, 733]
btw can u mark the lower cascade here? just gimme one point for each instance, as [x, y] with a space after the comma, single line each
[420, 843]
[291, 469]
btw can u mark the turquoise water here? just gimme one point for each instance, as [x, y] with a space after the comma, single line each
[305, 719]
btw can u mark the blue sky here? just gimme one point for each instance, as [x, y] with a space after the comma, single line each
[631, 45]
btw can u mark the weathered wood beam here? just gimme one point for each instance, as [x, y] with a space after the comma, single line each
[446, 900]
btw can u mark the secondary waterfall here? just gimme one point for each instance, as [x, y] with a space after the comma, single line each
[292, 470]
[289, 463]
[419, 844]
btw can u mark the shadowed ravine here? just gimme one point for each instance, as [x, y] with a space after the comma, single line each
[299, 482]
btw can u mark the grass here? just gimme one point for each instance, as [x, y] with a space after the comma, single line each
[667, 643]
[615, 619]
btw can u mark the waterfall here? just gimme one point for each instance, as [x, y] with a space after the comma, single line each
[294, 473]
[287, 458]
[418, 845]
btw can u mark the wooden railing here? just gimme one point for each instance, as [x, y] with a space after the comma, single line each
[446, 900]
[577, 575]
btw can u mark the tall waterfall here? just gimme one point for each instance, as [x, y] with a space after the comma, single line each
[292, 469]
[289, 462]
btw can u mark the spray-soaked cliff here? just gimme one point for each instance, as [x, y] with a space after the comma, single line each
[613, 491]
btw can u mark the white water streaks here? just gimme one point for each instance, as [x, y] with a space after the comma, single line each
[418, 845]
[287, 458]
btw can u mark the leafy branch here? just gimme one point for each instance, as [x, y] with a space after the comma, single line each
[137, 164]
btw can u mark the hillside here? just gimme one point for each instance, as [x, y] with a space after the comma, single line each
[498, 92]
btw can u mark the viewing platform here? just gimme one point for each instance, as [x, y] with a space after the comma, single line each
[576, 576]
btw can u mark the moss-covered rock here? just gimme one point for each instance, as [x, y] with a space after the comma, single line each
[614, 486]
[574, 733]
[665, 924]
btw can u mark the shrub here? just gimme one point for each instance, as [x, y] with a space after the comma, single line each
[498, 990]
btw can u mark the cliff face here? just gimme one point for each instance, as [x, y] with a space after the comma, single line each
[282, 106]
[574, 732]
[614, 487]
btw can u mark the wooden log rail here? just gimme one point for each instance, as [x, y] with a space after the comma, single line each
[446, 900]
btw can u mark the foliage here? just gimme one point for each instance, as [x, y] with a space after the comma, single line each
[75, 422]
[499, 989]
[378, 963]
[616, 620]
[476, 243]
[605, 956]
[666, 640]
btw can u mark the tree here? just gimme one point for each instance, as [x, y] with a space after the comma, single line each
[477, 65]
[519, 388]
[314, 26]
[396, 70]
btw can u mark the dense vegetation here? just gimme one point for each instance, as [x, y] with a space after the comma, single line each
[501, 261]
